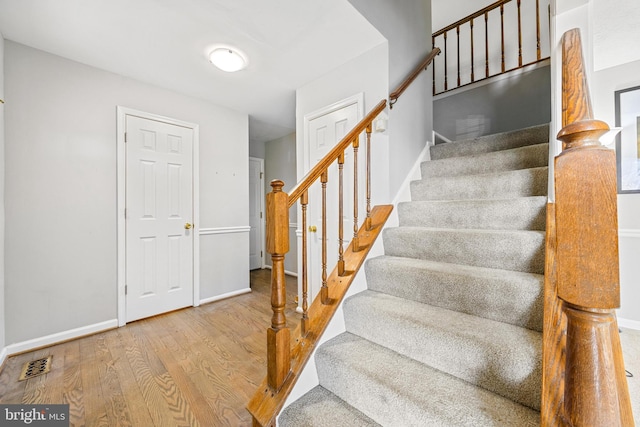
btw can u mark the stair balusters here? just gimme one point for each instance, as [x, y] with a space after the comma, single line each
[284, 363]
[504, 55]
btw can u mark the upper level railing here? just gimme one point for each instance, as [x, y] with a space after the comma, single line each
[512, 34]
[584, 380]
[284, 360]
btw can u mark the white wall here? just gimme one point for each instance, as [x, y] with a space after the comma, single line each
[368, 74]
[407, 27]
[2, 309]
[61, 190]
[606, 74]
[280, 163]
[612, 73]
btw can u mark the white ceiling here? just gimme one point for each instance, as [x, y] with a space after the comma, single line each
[165, 42]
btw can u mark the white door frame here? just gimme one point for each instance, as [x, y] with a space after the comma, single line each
[357, 99]
[122, 112]
[262, 209]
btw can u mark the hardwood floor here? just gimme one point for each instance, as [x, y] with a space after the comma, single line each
[193, 367]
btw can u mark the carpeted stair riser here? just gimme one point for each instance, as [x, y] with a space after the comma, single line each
[525, 213]
[395, 390]
[477, 350]
[504, 249]
[321, 408]
[502, 295]
[499, 185]
[531, 156]
[485, 144]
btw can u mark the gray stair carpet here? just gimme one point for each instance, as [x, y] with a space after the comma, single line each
[448, 332]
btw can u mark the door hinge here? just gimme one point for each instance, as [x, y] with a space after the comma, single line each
[260, 175]
[126, 289]
[125, 137]
[260, 215]
[261, 254]
[125, 213]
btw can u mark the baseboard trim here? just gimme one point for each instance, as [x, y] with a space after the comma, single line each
[3, 357]
[629, 232]
[60, 337]
[629, 324]
[287, 272]
[225, 296]
[224, 230]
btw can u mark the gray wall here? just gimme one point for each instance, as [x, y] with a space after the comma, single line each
[512, 103]
[61, 190]
[280, 163]
[407, 27]
[256, 149]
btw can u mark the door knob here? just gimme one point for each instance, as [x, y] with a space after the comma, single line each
[188, 226]
[313, 228]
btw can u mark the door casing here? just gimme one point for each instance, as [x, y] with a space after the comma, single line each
[121, 113]
[357, 100]
[260, 205]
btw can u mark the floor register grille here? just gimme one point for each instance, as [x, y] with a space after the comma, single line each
[35, 368]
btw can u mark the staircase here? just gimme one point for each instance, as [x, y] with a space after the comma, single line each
[449, 331]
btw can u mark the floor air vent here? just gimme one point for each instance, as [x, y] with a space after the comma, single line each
[35, 368]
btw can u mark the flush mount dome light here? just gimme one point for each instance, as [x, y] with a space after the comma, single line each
[228, 59]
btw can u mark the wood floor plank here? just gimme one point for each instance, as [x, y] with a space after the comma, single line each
[93, 400]
[201, 411]
[159, 411]
[12, 390]
[53, 380]
[72, 388]
[114, 400]
[139, 411]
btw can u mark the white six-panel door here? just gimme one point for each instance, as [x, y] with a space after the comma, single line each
[324, 129]
[159, 217]
[256, 198]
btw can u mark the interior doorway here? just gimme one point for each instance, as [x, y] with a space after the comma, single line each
[323, 129]
[157, 224]
[256, 213]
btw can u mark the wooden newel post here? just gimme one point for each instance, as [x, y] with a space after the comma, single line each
[588, 278]
[278, 335]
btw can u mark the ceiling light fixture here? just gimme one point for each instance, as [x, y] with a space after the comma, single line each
[228, 59]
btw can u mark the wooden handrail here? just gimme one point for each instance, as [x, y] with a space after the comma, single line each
[315, 173]
[581, 345]
[393, 97]
[468, 18]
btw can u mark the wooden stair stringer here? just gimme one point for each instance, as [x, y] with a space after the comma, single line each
[266, 404]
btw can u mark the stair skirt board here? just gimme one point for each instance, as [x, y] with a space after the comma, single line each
[448, 332]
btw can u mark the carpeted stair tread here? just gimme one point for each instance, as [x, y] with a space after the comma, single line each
[523, 213]
[515, 250]
[321, 408]
[531, 156]
[498, 185]
[502, 295]
[496, 142]
[456, 343]
[395, 390]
